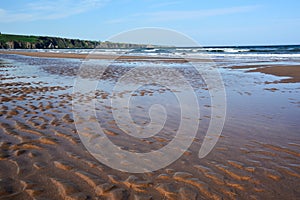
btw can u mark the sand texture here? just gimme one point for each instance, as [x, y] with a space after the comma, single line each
[42, 157]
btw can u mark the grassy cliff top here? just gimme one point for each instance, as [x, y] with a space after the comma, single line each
[11, 41]
[26, 38]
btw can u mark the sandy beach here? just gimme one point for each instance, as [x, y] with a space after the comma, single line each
[94, 56]
[291, 73]
[42, 157]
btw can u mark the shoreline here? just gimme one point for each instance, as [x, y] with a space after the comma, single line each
[93, 56]
[288, 73]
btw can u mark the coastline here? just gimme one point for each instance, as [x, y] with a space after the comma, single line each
[289, 72]
[94, 56]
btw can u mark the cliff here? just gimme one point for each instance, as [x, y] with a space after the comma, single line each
[8, 41]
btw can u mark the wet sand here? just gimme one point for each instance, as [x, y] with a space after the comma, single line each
[94, 56]
[291, 73]
[41, 156]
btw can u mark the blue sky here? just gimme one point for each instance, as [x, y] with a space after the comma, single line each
[214, 22]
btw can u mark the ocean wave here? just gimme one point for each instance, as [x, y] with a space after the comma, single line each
[246, 51]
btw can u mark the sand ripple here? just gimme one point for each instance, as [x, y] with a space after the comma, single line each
[41, 156]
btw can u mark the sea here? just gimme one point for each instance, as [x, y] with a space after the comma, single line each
[221, 51]
[224, 55]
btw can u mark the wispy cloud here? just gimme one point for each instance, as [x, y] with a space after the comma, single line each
[183, 15]
[176, 15]
[46, 10]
